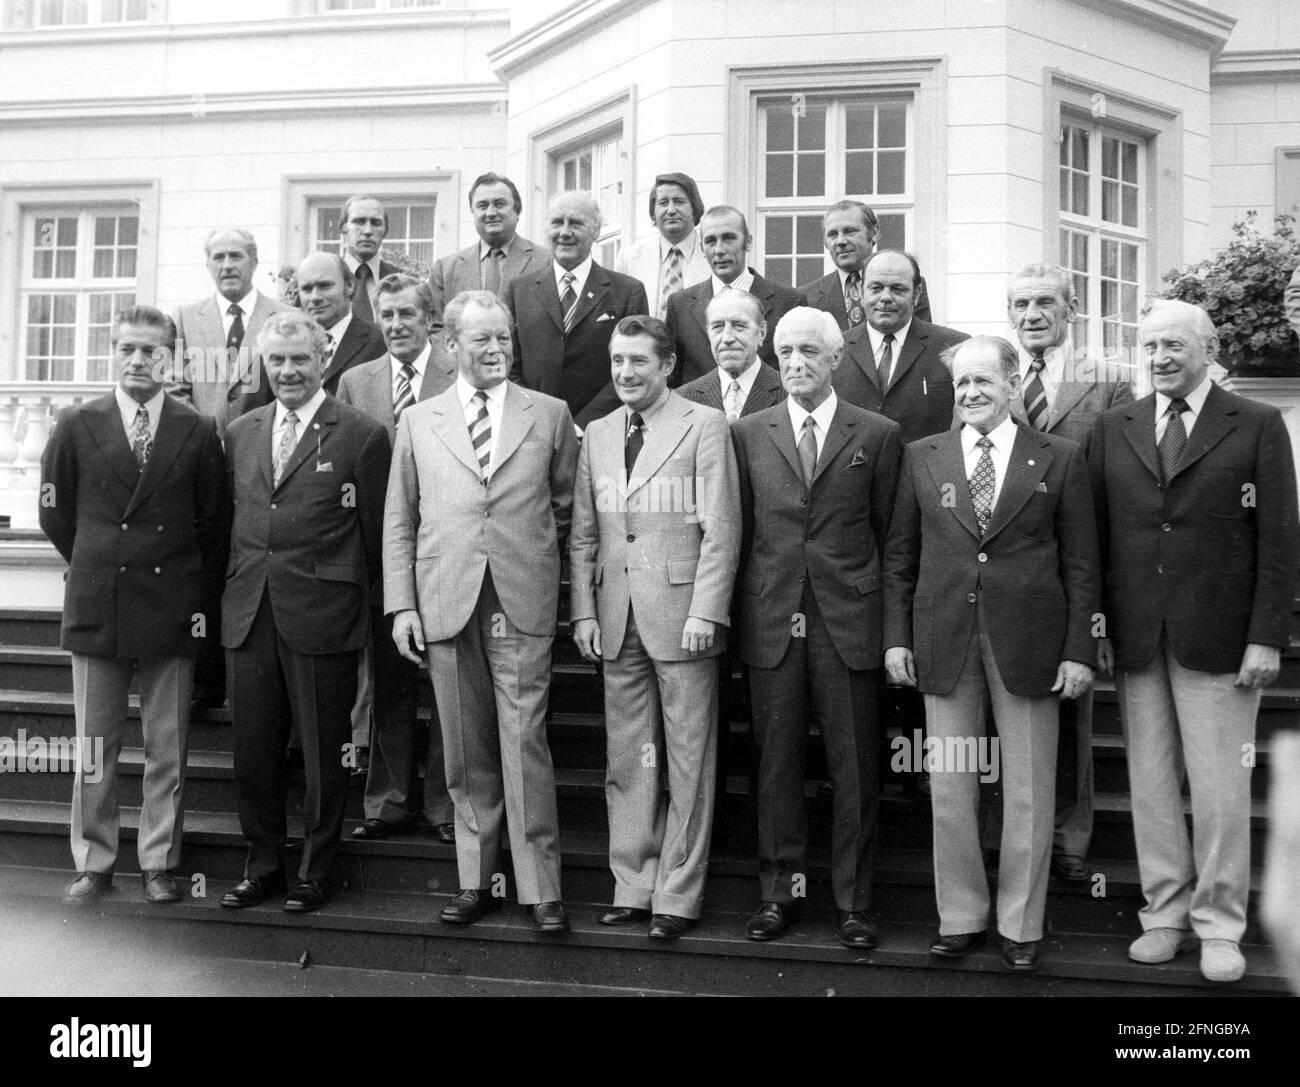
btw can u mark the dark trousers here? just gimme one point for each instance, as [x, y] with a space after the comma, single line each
[845, 703]
[272, 687]
[210, 665]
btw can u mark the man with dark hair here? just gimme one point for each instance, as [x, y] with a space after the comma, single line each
[363, 226]
[136, 503]
[656, 538]
[325, 287]
[672, 258]
[500, 254]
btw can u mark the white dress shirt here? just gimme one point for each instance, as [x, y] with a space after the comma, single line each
[743, 282]
[418, 366]
[877, 339]
[128, 406]
[821, 418]
[1195, 402]
[1003, 437]
[305, 414]
[338, 331]
[746, 377]
[496, 402]
[580, 274]
[245, 305]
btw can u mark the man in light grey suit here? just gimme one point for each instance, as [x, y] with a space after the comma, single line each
[478, 510]
[656, 541]
[500, 254]
[387, 686]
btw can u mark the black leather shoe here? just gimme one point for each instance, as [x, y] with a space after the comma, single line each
[624, 915]
[856, 930]
[549, 917]
[772, 919]
[372, 829]
[958, 944]
[668, 926]
[88, 888]
[468, 906]
[1070, 868]
[445, 833]
[160, 887]
[1021, 957]
[306, 896]
[252, 890]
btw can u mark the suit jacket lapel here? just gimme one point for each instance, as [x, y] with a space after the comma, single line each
[1140, 430]
[700, 306]
[1029, 461]
[548, 296]
[765, 392]
[516, 260]
[783, 435]
[664, 436]
[516, 422]
[214, 331]
[344, 350]
[598, 285]
[312, 439]
[948, 469]
[864, 358]
[105, 424]
[1210, 429]
[449, 425]
[173, 431]
[908, 353]
[841, 430]
[1068, 393]
[711, 389]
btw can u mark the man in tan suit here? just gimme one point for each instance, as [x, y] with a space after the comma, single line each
[478, 509]
[656, 540]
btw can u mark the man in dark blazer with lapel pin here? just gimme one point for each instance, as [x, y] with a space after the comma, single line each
[740, 384]
[408, 374]
[308, 476]
[1196, 502]
[992, 594]
[817, 479]
[325, 285]
[500, 254]
[565, 314]
[726, 240]
[134, 498]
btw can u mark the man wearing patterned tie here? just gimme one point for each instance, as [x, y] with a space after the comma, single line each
[991, 592]
[363, 226]
[1196, 502]
[325, 287]
[136, 502]
[672, 257]
[477, 515]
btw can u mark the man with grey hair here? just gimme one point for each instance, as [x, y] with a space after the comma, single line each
[817, 479]
[308, 476]
[740, 384]
[1196, 504]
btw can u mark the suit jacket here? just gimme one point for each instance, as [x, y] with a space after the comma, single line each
[460, 272]
[311, 543]
[920, 394]
[641, 261]
[362, 342]
[443, 527]
[146, 549]
[707, 390]
[688, 322]
[667, 541]
[827, 293]
[1209, 559]
[212, 382]
[574, 367]
[1033, 576]
[1087, 390]
[832, 533]
[370, 387]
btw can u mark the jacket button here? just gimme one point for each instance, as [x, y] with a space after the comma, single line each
[124, 528]
[970, 598]
[1166, 527]
[1160, 569]
[273, 506]
[631, 537]
[160, 528]
[803, 501]
[121, 569]
[982, 557]
[157, 569]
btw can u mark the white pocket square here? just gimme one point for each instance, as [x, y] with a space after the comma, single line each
[604, 317]
[324, 466]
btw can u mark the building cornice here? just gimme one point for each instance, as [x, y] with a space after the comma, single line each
[558, 31]
[1256, 66]
[1190, 21]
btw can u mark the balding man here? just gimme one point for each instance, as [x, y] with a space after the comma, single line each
[1196, 502]
[565, 314]
[325, 287]
[363, 226]
[725, 237]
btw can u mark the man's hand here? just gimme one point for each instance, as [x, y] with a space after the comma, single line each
[1260, 665]
[901, 665]
[586, 636]
[1072, 679]
[697, 635]
[407, 631]
[1105, 656]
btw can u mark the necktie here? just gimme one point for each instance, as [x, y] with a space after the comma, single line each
[672, 281]
[731, 402]
[361, 293]
[635, 440]
[480, 432]
[235, 336]
[405, 392]
[568, 300]
[288, 442]
[886, 361]
[853, 299]
[141, 440]
[982, 481]
[808, 451]
[330, 345]
[1174, 438]
[492, 273]
[1034, 394]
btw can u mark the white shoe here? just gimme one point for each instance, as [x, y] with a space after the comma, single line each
[1221, 960]
[1161, 945]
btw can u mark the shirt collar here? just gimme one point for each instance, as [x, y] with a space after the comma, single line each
[246, 303]
[354, 264]
[1053, 362]
[844, 277]
[821, 417]
[746, 377]
[743, 282]
[1003, 436]
[305, 414]
[1195, 399]
[580, 274]
[686, 245]
[648, 415]
[128, 406]
[340, 328]
[421, 361]
[465, 392]
[484, 249]
[877, 337]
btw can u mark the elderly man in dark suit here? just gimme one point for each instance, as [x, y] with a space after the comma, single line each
[408, 374]
[726, 240]
[740, 384]
[308, 476]
[136, 502]
[1196, 501]
[325, 286]
[565, 314]
[500, 254]
[363, 226]
[991, 589]
[817, 479]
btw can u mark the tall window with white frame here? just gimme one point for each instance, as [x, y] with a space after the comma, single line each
[1103, 232]
[79, 270]
[86, 12]
[598, 166]
[815, 150]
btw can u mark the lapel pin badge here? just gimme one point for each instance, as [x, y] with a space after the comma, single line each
[1031, 464]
